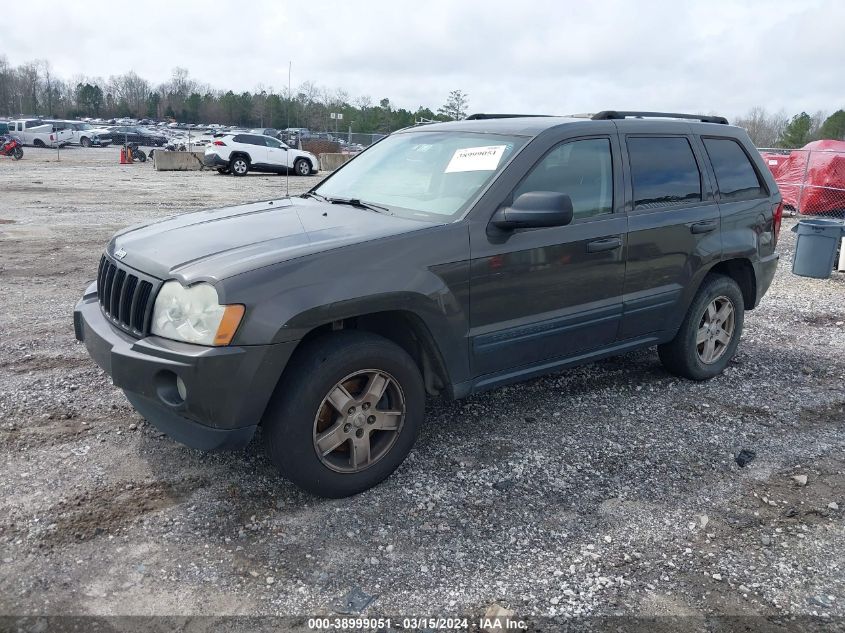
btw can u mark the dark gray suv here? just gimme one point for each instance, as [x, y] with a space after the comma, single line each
[446, 259]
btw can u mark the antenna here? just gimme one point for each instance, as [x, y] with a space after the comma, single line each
[287, 115]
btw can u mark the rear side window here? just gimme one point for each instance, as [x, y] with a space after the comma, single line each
[249, 139]
[583, 170]
[735, 174]
[664, 171]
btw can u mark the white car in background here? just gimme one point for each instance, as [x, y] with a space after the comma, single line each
[240, 153]
[84, 134]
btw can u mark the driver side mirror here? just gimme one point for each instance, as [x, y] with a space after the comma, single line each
[534, 209]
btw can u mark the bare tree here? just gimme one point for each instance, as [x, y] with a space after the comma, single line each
[131, 90]
[6, 86]
[764, 129]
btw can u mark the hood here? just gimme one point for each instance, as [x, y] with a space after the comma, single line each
[219, 243]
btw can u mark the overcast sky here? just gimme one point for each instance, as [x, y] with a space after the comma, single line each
[530, 56]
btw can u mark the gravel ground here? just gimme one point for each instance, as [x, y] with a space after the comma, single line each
[607, 490]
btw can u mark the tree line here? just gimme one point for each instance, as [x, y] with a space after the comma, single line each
[779, 130]
[33, 89]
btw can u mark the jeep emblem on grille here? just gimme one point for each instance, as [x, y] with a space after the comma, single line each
[120, 253]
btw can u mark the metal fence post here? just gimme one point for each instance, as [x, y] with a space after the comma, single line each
[804, 180]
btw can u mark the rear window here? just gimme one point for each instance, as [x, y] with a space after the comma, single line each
[735, 175]
[664, 171]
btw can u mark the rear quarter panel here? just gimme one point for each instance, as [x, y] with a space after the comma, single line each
[748, 225]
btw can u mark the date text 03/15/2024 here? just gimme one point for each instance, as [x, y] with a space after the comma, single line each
[495, 623]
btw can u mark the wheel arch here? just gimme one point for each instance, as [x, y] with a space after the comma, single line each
[306, 159]
[742, 272]
[740, 269]
[404, 328]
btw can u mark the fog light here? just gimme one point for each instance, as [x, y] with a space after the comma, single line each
[170, 388]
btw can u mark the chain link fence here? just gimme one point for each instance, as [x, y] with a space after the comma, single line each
[811, 181]
[339, 142]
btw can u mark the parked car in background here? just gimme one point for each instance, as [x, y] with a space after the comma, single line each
[239, 154]
[265, 131]
[84, 134]
[37, 133]
[134, 134]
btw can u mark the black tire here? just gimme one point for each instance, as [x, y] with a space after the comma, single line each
[291, 422]
[85, 141]
[239, 165]
[223, 170]
[38, 143]
[683, 355]
[17, 153]
[139, 155]
[302, 167]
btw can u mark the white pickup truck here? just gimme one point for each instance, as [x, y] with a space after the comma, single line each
[37, 133]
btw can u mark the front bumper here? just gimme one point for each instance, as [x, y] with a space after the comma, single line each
[227, 388]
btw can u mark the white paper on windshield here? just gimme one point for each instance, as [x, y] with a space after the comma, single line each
[476, 158]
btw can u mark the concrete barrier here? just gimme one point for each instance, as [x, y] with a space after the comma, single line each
[177, 161]
[330, 162]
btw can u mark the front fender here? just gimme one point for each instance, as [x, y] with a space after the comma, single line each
[415, 272]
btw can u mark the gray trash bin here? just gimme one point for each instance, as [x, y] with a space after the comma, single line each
[815, 248]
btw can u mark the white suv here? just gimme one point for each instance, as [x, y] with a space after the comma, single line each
[239, 154]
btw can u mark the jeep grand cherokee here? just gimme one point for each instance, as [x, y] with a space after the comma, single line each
[446, 259]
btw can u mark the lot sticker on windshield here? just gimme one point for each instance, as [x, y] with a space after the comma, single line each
[476, 158]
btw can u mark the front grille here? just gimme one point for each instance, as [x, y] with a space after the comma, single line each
[124, 297]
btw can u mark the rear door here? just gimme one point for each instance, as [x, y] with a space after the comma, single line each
[253, 145]
[673, 225]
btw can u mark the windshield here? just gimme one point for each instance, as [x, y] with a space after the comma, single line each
[423, 174]
[84, 126]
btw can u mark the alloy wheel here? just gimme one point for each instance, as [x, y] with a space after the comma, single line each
[359, 421]
[715, 330]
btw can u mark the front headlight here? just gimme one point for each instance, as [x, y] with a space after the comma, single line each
[194, 315]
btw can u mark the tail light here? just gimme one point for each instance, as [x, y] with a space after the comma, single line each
[777, 218]
[221, 143]
[52, 138]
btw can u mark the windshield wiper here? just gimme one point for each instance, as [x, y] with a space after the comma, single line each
[311, 194]
[355, 202]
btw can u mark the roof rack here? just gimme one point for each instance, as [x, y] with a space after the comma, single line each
[481, 116]
[621, 114]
